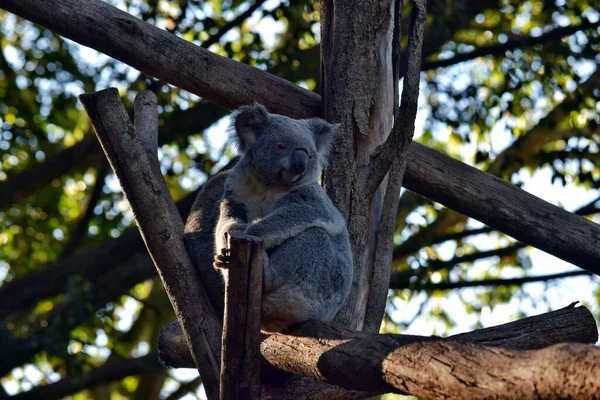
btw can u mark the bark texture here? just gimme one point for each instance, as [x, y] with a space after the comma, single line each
[356, 37]
[440, 369]
[161, 228]
[380, 363]
[240, 356]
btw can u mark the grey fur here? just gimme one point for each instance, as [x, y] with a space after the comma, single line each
[273, 193]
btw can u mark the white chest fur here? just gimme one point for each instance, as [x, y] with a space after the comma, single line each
[258, 198]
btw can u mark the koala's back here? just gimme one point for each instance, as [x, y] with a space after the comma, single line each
[199, 236]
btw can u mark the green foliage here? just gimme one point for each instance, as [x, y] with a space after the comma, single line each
[477, 111]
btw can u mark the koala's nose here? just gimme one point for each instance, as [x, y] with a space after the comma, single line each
[299, 161]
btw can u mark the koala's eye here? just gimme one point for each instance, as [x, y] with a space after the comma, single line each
[280, 146]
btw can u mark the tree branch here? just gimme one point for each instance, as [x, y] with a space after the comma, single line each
[377, 297]
[185, 388]
[410, 246]
[240, 357]
[161, 228]
[78, 234]
[109, 372]
[404, 122]
[511, 44]
[402, 279]
[493, 282]
[232, 24]
[429, 368]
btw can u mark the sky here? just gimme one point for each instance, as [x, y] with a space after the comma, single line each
[557, 295]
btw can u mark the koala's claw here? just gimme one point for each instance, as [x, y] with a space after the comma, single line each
[222, 260]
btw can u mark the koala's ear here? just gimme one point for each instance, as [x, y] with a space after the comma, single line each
[324, 134]
[247, 121]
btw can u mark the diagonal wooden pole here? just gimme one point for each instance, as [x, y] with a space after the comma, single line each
[159, 222]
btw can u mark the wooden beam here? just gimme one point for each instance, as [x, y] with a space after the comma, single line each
[159, 222]
[372, 362]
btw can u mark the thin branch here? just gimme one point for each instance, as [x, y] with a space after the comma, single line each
[78, 234]
[232, 24]
[404, 123]
[110, 372]
[494, 282]
[185, 388]
[401, 280]
[590, 208]
[512, 44]
[409, 246]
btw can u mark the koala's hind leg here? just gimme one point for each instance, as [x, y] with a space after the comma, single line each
[285, 308]
[297, 282]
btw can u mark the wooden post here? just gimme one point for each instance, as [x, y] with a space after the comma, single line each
[240, 357]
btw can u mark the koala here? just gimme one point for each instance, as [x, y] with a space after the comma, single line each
[272, 193]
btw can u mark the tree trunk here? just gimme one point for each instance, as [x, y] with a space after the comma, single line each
[358, 92]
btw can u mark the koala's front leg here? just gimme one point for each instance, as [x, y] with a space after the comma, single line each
[232, 217]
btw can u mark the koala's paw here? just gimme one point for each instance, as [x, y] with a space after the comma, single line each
[222, 260]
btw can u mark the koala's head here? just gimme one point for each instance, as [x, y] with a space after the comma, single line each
[281, 151]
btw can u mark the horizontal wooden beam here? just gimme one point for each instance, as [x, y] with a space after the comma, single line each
[413, 364]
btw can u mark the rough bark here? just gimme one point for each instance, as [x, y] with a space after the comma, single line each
[437, 369]
[357, 360]
[161, 228]
[390, 158]
[363, 104]
[240, 356]
[425, 168]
